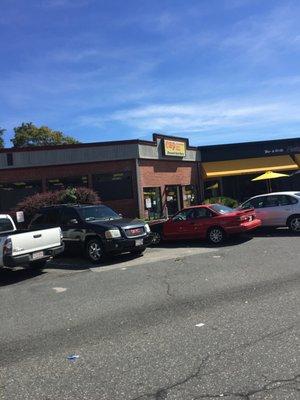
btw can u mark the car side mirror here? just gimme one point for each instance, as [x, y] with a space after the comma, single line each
[73, 221]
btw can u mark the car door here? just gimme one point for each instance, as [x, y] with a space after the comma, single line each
[286, 208]
[73, 233]
[179, 227]
[202, 220]
[270, 211]
[258, 203]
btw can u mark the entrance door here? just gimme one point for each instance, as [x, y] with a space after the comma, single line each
[173, 195]
[180, 226]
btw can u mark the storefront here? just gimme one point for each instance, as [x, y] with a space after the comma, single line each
[229, 170]
[149, 179]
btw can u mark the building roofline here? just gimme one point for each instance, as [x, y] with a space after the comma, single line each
[258, 142]
[75, 146]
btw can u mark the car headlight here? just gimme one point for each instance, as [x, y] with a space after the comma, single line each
[113, 233]
[147, 228]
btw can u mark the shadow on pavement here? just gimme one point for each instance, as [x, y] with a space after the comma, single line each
[79, 263]
[231, 241]
[13, 276]
[274, 232]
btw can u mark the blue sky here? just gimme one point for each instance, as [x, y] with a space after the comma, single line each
[216, 71]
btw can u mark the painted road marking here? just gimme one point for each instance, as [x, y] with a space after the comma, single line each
[199, 325]
[59, 289]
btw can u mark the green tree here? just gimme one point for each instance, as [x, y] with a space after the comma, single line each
[28, 135]
[1, 137]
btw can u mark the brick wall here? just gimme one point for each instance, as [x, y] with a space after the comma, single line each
[128, 207]
[160, 173]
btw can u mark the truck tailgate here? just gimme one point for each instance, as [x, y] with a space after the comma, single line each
[28, 242]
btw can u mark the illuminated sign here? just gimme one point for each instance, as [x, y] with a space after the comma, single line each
[174, 148]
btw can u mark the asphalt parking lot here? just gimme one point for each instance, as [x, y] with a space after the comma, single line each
[185, 321]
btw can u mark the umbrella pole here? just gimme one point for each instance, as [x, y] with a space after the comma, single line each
[270, 186]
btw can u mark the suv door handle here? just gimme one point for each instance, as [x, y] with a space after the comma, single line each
[37, 236]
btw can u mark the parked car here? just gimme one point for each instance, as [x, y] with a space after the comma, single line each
[213, 222]
[276, 209]
[33, 248]
[97, 229]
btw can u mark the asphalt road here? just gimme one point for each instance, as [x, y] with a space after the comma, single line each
[179, 323]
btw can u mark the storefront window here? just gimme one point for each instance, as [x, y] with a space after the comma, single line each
[117, 186]
[189, 196]
[66, 182]
[152, 202]
[13, 193]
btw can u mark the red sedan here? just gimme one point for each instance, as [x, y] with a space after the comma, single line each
[214, 222]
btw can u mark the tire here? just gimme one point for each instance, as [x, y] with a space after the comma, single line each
[156, 238]
[294, 223]
[38, 264]
[216, 235]
[94, 251]
[138, 252]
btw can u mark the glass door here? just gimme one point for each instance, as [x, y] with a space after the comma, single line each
[152, 202]
[173, 199]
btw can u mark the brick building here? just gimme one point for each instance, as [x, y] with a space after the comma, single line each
[135, 177]
[149, 179]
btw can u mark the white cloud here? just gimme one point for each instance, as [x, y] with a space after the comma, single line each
[200, 117]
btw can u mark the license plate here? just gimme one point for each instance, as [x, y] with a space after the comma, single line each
[37, 255]
[139, 242]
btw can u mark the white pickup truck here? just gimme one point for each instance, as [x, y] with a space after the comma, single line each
[27, 247]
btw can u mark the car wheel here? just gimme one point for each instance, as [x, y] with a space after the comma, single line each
[38, 264]
[94, 250]
[294, 223]
[216, 235]
[138, 252]
[156, 238]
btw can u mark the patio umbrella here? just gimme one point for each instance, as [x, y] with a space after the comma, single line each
[215, 186]
[267, 176]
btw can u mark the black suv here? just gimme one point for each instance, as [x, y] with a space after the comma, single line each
[97, 229]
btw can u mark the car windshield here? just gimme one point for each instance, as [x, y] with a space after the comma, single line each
[102, 213]
[220, 208]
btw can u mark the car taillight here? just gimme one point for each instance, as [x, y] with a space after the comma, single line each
[7, 247]
[242, 218]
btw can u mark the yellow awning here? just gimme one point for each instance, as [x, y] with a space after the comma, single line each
[248, 166]
[297, 157]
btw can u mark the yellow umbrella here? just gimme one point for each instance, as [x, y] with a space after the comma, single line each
[268, 176]
[215, 186]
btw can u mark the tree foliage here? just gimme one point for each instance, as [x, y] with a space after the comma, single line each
[82, 195]
[1, 137]
[28, 135]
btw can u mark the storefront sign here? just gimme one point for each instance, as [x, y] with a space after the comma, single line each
[20, 216]
[148, 202]
[174, 148]
[274, 151]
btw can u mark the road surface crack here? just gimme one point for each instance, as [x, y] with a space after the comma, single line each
[290, 383]
[166, 282]
[162, 393]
